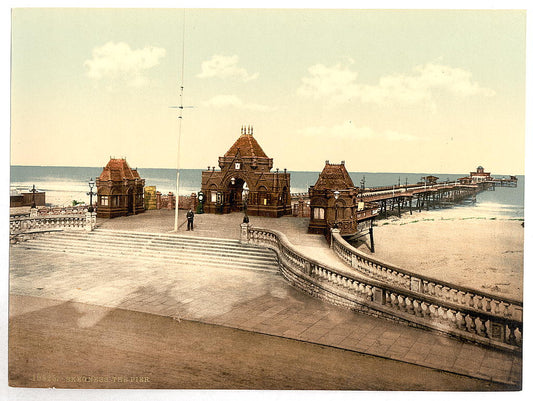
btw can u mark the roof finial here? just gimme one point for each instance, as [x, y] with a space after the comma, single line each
[252, 133]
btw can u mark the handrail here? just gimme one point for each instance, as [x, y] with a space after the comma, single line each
[21, 225]
[340, 242]
[499, 327]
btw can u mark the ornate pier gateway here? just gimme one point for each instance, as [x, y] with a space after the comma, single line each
[245, 182]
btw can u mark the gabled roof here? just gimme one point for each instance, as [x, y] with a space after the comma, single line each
[334, 177]
[246, 145]
[118, 170]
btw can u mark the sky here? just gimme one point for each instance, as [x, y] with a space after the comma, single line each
[436, 91]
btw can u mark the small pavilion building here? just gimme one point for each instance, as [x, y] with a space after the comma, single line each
[333, 202]
[245, 182]
[120, 190]
[480, 175]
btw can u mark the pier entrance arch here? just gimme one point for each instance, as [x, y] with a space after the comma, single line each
[237, 190]
[245, 174]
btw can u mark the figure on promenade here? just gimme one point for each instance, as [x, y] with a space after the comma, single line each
[190, 220]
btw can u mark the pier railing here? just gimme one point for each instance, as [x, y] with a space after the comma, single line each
[39, 224]
[412, 188]
[452, 293]
[456, 311]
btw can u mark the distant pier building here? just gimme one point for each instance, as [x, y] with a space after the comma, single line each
[246, 182]
[480, 175]
[120, 190]
[333, 201]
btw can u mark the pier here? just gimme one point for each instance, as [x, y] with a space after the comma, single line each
[391, 200]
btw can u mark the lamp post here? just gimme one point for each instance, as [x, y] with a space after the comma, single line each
[336, 196]
[33, 191]
[91, 193]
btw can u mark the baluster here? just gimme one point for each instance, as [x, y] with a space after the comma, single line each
[470, 298]
[454, 295]
[369, 292]
[401, 302]
[417, 306]
[497, 309]
[460, 321]
[400, 278]
[443, 314]
[488, 304]
[470, 324]
[361, 289]
[389, 275]
[462, 297]
[438, 291]
[506, 312]
[409, 306]
[482, 328]
[426, 311]
[478, 301]
[394, 301]
[512, 335]
[450, 317]
[431, 289]
[388, 301]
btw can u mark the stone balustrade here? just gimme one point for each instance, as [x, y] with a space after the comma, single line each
[21, 225]
[460, 313]
[451, 293]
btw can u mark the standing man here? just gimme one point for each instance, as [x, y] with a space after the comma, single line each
[190, 220]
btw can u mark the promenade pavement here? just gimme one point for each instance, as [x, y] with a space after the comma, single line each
[256, 301]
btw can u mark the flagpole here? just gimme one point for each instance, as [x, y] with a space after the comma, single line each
[180, 118]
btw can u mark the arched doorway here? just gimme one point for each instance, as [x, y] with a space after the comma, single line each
[238, 192]
[130, 201]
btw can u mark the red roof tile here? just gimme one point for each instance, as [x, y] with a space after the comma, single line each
[118, 170]
[334, 176]
[248, 146]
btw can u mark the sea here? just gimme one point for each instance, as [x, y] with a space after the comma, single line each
[63, 185]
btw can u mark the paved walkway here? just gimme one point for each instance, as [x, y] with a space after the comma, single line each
[251, 300]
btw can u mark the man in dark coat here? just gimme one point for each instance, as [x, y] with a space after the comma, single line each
[190, 220]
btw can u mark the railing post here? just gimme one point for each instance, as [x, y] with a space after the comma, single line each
[333, 231]
[90, 221]
[245, 228]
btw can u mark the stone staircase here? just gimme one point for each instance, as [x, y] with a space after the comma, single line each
[178, 249]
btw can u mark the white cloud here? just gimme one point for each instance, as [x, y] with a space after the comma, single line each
[118, 61]
[347, 130]
[225, 67]
[221, 101]
[338, 83]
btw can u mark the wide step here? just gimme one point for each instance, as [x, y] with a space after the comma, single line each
[147, 246]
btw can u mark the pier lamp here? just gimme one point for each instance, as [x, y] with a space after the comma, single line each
[33, 190]
[336, 194]
[91, 193]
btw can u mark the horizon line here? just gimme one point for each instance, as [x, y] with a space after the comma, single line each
[295, 171]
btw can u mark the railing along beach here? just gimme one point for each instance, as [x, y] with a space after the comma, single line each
[381, 289]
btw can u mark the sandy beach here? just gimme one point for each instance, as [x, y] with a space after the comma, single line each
[462, 245]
